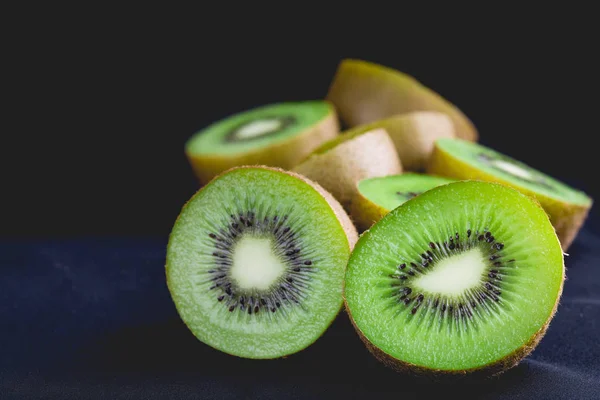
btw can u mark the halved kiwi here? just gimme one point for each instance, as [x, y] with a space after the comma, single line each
[256, 261]
[278, 135]
[364, 92]
[460, 159]
[375, 197]
[340, 163]
[463, 278]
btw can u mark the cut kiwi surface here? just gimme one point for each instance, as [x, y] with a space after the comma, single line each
[460, 159]
[364, 92]
[465, 277]
[256, 261]
[278, 135]
[375, 197]
[340, 163]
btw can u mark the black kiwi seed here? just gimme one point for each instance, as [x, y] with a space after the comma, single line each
[293, 283]
[490, 290]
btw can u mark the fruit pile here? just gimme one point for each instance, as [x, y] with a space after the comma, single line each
[459, 265]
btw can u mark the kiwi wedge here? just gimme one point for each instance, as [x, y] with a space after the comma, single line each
[459, 159]
[375, 197]
[255, 262]
[340, 163]
[462, 279]
[364, 92]
[278, 135]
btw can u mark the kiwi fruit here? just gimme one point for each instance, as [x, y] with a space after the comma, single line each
[278, 135]
[364, 92]
[413, 134]
[463, 279]
[375, 197]
[256, 260]
[459, 159]
[337, 165]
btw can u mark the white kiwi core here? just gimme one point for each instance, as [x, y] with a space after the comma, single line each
[512, 169]
[454, 275]
[255, 265]
[258, 128]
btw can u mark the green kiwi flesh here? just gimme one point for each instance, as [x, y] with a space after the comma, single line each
[464, 277]
[256, 261]
[391, 191]
[258, 127]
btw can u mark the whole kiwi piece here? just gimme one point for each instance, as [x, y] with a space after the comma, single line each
[463, 279]
[255, 262]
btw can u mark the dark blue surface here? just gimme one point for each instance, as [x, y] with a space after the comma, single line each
[92, 318]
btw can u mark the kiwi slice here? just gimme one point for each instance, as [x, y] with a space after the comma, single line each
[463, 278]
[364, 92]
[340, 163]
[375, 197]
[567, 207]
[256, 261]
[278, 135]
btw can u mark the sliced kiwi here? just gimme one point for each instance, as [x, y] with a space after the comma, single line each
[278, 135]
[256, 261]
[364, 92]
[460, 159]
[465, 277]
[340, 163]
[375, 197]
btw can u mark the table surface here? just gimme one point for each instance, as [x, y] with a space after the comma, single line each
[92, 318]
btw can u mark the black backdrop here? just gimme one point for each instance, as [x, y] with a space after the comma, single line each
[99, 103]
[102, 108]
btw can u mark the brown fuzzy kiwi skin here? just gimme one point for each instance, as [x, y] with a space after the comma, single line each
[566, 218]
[364, 212]
[338, 170]
[414, 134]
[493, 369]
[364, 92]
[342, 216]
[284, 154]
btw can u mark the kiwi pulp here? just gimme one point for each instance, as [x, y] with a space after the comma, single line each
[278, 135]
[256, 260]
[364, 92]
[465, 277]
[375, 197]
[460, 159]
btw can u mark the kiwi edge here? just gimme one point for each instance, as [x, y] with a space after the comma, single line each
[567, 218]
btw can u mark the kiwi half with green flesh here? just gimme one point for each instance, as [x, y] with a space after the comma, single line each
[256, 261]
[459, 159]
[278, 135]
[340, 163]
[364, 92]
[375, 197]
[463, 278]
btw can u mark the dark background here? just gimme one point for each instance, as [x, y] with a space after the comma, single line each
[101, 108]
[98, 105]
